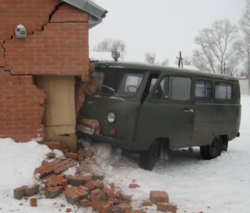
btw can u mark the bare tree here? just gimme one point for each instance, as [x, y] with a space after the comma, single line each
[109, 45]
[245, 22]
[217, 51]
[186, 60]
[243, 45]
[165, 62]
[150, 58]
[198, 61]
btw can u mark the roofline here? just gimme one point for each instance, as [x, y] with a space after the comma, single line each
[150, 67]
[96, 13]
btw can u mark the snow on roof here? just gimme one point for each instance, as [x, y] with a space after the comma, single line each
[100, 56]
[190, 67]
[106, 56]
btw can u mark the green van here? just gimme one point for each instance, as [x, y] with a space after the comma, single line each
[145, 108]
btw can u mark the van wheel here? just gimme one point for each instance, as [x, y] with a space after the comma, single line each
[213, 150]
[148, 158]
[225, 146]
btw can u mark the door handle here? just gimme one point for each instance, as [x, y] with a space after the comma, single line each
[188, 110]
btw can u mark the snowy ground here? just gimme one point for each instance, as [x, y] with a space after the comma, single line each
[220, 185]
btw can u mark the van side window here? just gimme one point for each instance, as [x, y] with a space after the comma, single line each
[179, 88]
[132, 83]
[203, 89]
[162, 89]
[174, 88]
[223, 91]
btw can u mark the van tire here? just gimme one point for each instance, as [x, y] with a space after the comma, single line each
[212, 150]
[224, 145]
[148, 158]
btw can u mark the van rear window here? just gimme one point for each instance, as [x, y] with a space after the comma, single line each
[223, 91]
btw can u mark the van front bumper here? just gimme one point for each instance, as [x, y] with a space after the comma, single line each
[94, 135]
[101, 138]
[109, 140]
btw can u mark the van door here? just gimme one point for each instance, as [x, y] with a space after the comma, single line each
[167, 112]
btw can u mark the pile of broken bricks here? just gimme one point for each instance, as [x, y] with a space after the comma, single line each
[86, 188]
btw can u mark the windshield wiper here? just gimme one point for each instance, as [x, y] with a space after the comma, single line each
[111, 89]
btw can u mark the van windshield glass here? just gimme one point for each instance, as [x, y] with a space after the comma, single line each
[119, 83]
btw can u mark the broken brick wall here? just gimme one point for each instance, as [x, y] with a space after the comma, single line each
[57, 44]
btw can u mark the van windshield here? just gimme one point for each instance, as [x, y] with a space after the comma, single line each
[120, 83]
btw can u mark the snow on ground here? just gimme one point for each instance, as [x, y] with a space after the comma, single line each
[220, 185]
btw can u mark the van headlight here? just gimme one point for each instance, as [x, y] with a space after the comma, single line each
[111, 117]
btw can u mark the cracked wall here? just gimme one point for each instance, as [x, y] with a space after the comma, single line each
[61, 48]
[57, 44]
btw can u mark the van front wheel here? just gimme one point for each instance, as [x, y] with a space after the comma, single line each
[212, 150]
[148, 158]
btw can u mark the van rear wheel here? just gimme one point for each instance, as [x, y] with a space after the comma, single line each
[212, 150]
[148, 158]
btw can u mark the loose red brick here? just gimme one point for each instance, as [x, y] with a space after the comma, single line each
[78, 180]
[26, 191]
[64, 166]
[19, 192]
[44, 171]
[146, 203]
[53, 192]
[110, 193]
[85, 203]
[133, 185]
[47, 180]
[97, 199]
[122, 208]
[71, 155]
[74, 194]
[91, 185]
[51, 155]
[32, 190]
[68, 210]
[135, 211]
[106, 207]
[57, 145]
[57, 166]
[84, 188]
[33, 202]
[57, 180]
[159, 196]
[166, 207]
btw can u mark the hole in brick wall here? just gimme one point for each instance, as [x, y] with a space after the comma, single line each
[67, 135]
[59, 122]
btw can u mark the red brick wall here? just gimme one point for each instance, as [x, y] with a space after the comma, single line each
[20, 107]
[58, 46]
[31, 13]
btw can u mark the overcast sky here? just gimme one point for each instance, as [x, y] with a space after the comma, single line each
[164, 27]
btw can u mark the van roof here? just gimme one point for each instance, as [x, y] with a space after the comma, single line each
[158, 68]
